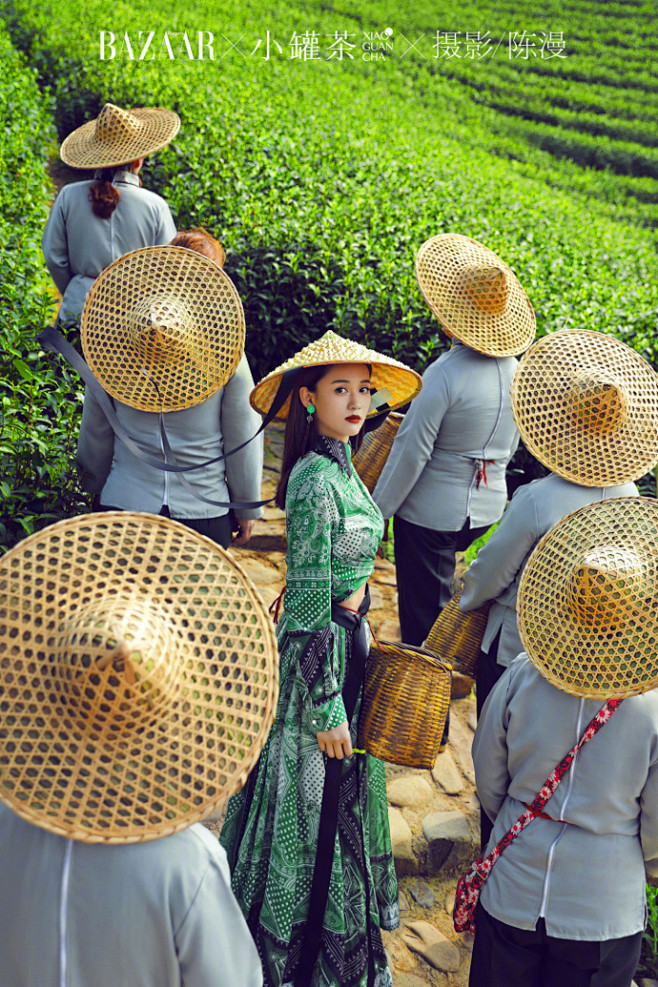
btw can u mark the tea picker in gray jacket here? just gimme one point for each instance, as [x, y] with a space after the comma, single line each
[163, 331]
[586, 406]
[565, 903]
[444, 481]
[107, 877]
[94, 221]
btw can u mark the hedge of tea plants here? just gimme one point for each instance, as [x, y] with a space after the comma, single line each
[39, 404]
[323, 175]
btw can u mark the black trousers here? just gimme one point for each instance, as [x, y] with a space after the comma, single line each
[507, 957]
[425, 569]
[218, 529]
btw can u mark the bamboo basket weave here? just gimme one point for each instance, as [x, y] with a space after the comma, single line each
[138, 680]
[405, 703]
[457, 637]
[371, 457]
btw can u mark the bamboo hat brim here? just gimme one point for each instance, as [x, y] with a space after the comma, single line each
[402, 383]
[475, 295]
[163, 328]
[588, 600]
[138, 681]
[586, 406]
[119, 136]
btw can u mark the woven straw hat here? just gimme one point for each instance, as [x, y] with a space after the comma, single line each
[118, 136]
[139, 677]
[588, 600]
[163, 328]
[475, 295]
[586, 406]
[402, 383]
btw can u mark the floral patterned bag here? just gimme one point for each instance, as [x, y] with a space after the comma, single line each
[471, 883]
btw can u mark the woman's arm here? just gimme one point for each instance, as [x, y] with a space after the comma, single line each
[310, 517]
[649, 818]
[413, 444]
[499, 561]
[239, 422]
[166, 230]
[490, 749]
[95, 446]
[54, 243]
[214, 945]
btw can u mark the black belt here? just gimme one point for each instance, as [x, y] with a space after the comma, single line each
[324, 857]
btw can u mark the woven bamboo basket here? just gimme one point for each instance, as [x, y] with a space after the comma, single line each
[457, 637]
[405, 703]
[371, 457]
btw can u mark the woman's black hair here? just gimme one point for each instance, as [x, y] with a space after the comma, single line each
[103, 194]
[300, 436]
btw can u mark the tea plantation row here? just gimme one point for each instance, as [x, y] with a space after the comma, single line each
[39, 402]
[323, 177]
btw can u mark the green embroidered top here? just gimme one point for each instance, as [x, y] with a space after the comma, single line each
[333, 529]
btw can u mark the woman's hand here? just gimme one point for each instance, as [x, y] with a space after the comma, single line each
[246, 529]
[336, 742]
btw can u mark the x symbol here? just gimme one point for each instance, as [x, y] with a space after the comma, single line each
[412, 45]
[234, 45]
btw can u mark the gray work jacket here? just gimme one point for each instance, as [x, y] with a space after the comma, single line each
[155, 914]
[222, 422]
[461, 417]
[583, 870]
[77, 245]
[496, 572]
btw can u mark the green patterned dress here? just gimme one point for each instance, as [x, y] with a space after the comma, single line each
[271, 827]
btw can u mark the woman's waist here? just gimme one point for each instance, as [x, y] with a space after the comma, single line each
[443, 475]
[594, 816]
[348, 613]
[134, 481]
[354, 601]
[344, 616]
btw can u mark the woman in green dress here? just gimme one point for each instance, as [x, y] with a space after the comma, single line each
[308, 839]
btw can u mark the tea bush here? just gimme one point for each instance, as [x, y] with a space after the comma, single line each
[38, 403]
[322, 177]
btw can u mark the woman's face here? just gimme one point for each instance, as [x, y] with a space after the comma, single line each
[341, 399]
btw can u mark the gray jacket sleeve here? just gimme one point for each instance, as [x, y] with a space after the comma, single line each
[214, 945]
[413, 445]
[498, 562]
[95, 446]
[244, 470]
[649, 820]
[490, 748]
[166, 228]
[54, 243]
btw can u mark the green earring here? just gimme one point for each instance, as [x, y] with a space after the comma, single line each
[310, 408]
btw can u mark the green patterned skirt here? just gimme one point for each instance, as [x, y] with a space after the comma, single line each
[270, 835]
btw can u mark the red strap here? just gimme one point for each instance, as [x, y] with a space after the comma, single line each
[275, 607]
[481, 472]
[543, 815]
